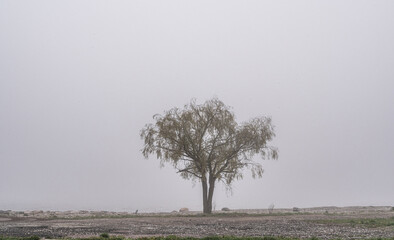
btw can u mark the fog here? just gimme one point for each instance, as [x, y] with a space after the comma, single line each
[80, 79]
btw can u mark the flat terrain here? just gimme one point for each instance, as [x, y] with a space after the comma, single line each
[324, 223]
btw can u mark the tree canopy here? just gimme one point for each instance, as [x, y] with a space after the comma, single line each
[204, 142]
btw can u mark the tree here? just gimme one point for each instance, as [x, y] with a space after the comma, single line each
[205, 143]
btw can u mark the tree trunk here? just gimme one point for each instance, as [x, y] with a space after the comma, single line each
[207, 194]
[210, 194]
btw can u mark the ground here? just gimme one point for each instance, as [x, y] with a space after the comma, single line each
[324, 223]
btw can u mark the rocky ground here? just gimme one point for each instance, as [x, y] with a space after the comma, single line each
[302, 223]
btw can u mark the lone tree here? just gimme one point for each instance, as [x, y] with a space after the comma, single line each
[205, 143]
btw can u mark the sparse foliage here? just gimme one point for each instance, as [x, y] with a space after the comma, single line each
[205, 143]
[271, 208]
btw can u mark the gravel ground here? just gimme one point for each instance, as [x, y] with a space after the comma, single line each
[303, 225]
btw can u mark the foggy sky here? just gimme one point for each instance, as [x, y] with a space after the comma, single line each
[79, 79]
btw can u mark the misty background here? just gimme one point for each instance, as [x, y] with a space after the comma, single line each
[80, 79]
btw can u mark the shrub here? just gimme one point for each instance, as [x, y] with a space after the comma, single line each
[104, 235]
[296, 209]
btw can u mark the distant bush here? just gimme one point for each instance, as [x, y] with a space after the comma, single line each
[271, 208]
[226, 209]
[183, 210]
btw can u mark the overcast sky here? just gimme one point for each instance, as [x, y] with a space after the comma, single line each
[80, 79]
